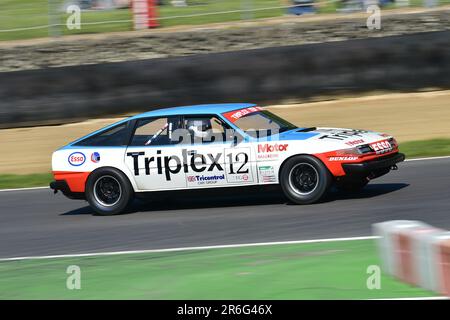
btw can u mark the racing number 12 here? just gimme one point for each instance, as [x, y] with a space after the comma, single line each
[237, 159]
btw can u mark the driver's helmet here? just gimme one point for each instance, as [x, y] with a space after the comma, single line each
[199, 128]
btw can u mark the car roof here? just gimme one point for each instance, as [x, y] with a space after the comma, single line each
[184, 110]
[194, 109]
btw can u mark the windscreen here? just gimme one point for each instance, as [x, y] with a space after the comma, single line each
[258, 122]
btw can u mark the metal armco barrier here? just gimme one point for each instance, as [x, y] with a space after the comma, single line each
[416, 253]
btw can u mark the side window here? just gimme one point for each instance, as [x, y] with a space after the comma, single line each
[205, 129]
[116, 136]
[155, 132]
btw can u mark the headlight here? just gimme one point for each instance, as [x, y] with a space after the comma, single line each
[356, 151]
[365, 149]
[348, 152]
[393, 143]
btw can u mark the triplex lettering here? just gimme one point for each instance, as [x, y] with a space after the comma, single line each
[191, 160]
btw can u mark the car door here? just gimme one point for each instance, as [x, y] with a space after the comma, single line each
[215, 160]
[153, 157]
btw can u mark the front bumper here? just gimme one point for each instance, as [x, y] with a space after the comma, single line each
[373, 166]
[61, 185]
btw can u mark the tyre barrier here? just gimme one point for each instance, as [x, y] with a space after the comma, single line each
[415, 253]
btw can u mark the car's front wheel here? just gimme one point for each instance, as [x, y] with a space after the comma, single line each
[304, 179]
[108, 191]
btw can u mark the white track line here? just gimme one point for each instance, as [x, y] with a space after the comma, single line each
[416, 298]
[38, 188]
[113, 253]
[428, 158]
[23, 189]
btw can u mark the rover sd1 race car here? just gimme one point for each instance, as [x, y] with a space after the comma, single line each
[212, 146]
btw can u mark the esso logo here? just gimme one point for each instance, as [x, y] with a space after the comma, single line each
[381, 147]
[77, 159]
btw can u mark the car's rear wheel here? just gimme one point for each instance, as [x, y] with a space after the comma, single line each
[108, 191]
[304, 179]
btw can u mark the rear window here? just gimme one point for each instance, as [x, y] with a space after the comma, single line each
[115, 136]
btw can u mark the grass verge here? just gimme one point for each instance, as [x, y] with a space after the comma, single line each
[10, 181]
[31, 13]
[333, 270]
[17, 14]
[412, 149]
[426, 148]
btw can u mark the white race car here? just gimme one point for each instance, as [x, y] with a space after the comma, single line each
[212, 146]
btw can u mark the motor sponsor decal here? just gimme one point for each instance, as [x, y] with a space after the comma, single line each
[354, 142]
[342, 134]
[95, 157]
[381, 146]
[269, 151]
[272, 147]
[267, 174]
[346, 158]
[267, 156]
[76, 159]
[235, 115]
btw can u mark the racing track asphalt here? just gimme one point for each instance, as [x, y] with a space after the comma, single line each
[37, 222]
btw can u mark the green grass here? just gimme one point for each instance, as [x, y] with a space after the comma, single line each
[335, 270]
[426, 148]
[30, 13]
[168, 11]
[412, 149]
[9, 181]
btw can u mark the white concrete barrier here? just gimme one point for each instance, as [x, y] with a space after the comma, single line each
[416, 253]
[425, 258]
[441, 251]
[387, 244]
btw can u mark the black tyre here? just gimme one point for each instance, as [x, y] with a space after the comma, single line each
[352, 185]
[304, 179]
[108, 191]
